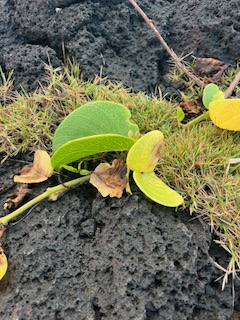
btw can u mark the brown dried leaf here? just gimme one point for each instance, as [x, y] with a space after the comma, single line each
[40, 170]
[15, 199]
[209, 67]
[2, 230]
[156, 152]
[190, 107]
[110, 179]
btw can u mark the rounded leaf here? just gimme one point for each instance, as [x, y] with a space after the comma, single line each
[211, 93]
[93, 118]
[144, 154]
[156, 190]
[225, 114]
[80, 148]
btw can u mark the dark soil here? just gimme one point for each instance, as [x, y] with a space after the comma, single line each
[85, 257]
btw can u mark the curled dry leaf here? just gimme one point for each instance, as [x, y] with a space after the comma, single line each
[3, 263]
[40, 170]
[209, 67]
[3, 228]
[190, 107]
[110, 179]
[15, 199]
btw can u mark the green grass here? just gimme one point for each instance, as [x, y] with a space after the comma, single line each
[193, 160]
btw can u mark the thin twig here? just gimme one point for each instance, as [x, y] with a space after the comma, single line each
[172, 54]
[27, 214]
[232, 86]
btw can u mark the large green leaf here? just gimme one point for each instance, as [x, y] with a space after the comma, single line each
[80, 148]
[211, 93]
[93, 118]
[144, 155]
[155, 189]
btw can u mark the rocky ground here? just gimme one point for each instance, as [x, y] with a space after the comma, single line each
[85, 257]
[111, 34]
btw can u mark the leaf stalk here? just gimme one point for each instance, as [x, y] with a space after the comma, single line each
[6, 219]
[202, 117]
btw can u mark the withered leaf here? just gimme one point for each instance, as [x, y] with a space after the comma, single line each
[110, 179]
[15, 199]
[40, 170]
[190, 107]
[2, 230]
[156, 152]
[210, 67]
[56, 195]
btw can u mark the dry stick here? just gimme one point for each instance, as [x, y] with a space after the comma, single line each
[232, 86]
[165, 45]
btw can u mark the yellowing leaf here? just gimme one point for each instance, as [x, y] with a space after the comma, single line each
[144, 154]
[155, 189]
[110, 179]
[40, 170]
[225, 114]
[3, 263]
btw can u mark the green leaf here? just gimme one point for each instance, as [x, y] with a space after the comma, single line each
[180, 114]
[144, 154]
[93, 118]
[225, 114]
[211, 93]
[70, 168]
[155, 189]
[80, 148]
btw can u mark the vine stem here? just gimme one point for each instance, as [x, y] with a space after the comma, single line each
[172, 54]
[232, 86]
[202, 117]
[6, 219]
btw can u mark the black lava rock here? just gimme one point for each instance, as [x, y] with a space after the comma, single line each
[112, 35]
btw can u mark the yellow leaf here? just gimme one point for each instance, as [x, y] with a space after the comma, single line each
[225, 114]
[40, 170]
[145, 153]
[110, 179]
[3, 263]
[155, 189]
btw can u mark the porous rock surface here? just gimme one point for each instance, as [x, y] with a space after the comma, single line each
[88, 257]
[112, 35]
